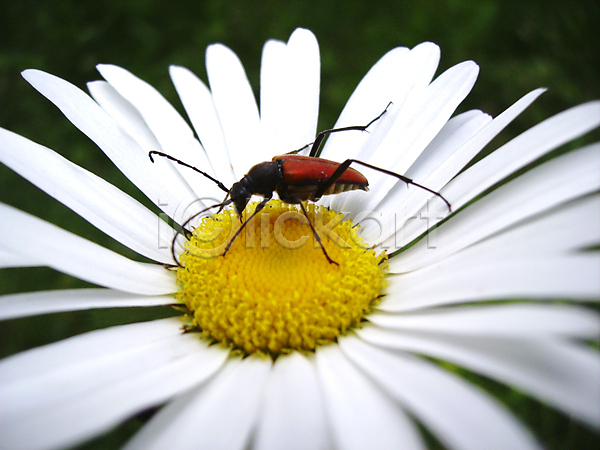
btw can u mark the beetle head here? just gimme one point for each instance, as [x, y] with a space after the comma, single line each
[239, 196]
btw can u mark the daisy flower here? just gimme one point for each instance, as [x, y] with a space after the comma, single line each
[276, 347]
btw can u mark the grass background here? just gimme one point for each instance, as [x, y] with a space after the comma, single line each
[519, 45]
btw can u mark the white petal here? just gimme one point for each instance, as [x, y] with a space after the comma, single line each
[388, 76]
[44, 302]
[453, 135]
[562, 179]
[512, 320]
[198, 103]
[458, 160]
[236, 106]
[292, 416]
[450, 139]
[359, 414]
[527, 147]
[64, 393]
[565, 230]
[562, 232]
[99, 202]
[414, 128]
[555, 277]
[416, 69]
[128, 117]
[10, 259]
[558, 372]
[273, 96]
[454, 160]
[220, 414]
[87, 347]
[458, 414]
[439, 176]
[179, 208]
[71, 254]
[172, 132]
[289, 94]
[162, 187]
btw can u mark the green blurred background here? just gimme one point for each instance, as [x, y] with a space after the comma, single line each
[519, 45]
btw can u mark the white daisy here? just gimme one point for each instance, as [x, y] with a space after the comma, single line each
[371, 380]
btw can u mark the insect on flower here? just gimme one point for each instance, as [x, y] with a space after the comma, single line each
[295, 178]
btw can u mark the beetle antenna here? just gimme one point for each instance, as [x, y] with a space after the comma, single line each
[182, 230]
[178, 161]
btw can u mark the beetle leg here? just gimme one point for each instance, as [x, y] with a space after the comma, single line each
[286, 197]
[188, 234]
[344, 166]
[258, 209]
[315, 150]
[317, 237]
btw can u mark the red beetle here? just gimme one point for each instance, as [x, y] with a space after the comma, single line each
[295, 178]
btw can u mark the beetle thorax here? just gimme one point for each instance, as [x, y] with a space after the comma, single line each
[264, 178]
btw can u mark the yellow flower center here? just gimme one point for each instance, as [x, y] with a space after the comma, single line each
[274, 291]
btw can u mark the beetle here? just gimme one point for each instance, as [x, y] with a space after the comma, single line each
[295, 178]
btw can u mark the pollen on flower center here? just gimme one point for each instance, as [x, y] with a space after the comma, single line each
[275, 291]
